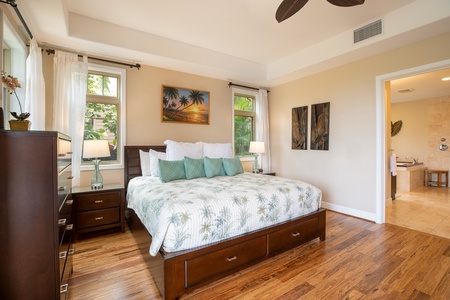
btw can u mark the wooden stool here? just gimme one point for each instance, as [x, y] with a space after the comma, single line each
[440, 182]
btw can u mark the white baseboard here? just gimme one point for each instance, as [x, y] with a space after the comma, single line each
[349, 211]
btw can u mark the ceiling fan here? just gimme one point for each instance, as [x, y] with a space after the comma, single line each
[288, 8]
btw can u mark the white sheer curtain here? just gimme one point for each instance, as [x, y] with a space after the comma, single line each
[70, 103]
[262, 128]
[35, 88]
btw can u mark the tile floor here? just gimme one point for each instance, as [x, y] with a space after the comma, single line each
[426, 209]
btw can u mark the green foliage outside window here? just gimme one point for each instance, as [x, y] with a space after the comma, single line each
[243, 124]
[101, 118]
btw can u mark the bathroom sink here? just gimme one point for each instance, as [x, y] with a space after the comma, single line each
[407, 163]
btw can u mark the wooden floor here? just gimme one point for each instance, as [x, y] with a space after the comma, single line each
[358, 260]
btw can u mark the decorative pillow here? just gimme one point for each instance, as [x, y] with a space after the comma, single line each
[145, 163]
[194, 168]
[171, 170]
[217, 150]
[178, 150]
[154, 166]
[232, 166]
[213, 167]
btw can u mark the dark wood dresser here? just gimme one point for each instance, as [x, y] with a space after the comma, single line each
[35, 215]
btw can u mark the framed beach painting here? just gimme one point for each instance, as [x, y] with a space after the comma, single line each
[181, 105]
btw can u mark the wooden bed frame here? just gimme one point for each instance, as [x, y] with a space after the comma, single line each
[181, 272]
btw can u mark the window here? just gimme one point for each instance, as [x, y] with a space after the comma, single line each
[105, 110]
[244, 122]
[14, 63]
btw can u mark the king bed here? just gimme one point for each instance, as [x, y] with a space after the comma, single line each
[234, 222]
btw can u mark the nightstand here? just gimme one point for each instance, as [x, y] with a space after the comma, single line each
[99, 209]
[269, 173]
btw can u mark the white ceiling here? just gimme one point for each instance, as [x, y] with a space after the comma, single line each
[236, 40]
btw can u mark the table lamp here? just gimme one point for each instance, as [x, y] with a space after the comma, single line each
[256, 148]
[95, 149]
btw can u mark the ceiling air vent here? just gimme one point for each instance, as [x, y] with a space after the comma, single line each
[368, 31]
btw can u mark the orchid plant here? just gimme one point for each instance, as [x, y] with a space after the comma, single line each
[12, 83]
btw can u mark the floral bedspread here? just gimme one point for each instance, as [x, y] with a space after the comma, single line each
[184, 214]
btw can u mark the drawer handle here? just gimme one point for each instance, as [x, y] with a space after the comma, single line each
[71, 251]
[70, 177]
[63, 289]
[69, 202]
[98, 218]
[62, 255]
[98, 201]
[69, 227]
[231, 258]
[295, 234]
[61, 222]
[62, 188]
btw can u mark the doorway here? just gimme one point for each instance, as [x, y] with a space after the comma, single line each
[383, 132]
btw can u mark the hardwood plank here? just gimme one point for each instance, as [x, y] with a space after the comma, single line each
[358, 260]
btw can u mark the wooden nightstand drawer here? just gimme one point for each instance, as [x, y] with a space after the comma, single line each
[98, 217]
[99, 200]
[98, 210]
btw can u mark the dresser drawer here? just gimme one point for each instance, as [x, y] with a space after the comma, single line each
[293, 235]
[98, 217]
[65, 222]
[206, 266]
[99, 200]
[64, 184]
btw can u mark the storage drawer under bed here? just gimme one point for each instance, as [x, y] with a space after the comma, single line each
[293, 235]
[209, 265]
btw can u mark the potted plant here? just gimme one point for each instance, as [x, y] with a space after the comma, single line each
[20, 123]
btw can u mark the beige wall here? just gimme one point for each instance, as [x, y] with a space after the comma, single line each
[425, 122]
[144, 126]
[346, 173]
[411, 141]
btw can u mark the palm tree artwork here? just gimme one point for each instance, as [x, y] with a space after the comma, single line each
[185, 106]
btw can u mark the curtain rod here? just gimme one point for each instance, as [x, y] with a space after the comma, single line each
[230, 84]
[137, 66]
[14, 5]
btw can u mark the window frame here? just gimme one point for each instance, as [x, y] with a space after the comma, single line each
[121, 112]
[236, 92]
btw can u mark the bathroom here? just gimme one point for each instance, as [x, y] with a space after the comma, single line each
[425, 128]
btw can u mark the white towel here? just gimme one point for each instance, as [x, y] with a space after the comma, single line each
[393, 164]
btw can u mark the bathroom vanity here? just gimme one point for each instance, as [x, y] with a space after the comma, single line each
[410, 176]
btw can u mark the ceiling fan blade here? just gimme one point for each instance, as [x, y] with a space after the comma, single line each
[346, 3]
[288, 8]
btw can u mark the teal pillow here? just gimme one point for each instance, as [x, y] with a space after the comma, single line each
[213, 167]
[171, 170]
[194, 168]
[232, 166]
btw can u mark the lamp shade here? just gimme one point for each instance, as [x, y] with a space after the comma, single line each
[256, 147]
[96, 149]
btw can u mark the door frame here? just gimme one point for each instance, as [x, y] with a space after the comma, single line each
[382, 124]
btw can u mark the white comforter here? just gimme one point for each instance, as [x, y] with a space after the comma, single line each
[184, 214]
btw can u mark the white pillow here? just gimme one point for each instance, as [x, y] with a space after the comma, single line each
[145, 163]
[154, 156]
[217, 150]
[178, 150]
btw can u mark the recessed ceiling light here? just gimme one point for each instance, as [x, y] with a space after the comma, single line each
[406, 91]
[446, 79]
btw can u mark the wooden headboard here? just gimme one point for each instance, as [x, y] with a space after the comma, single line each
[133, 162]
